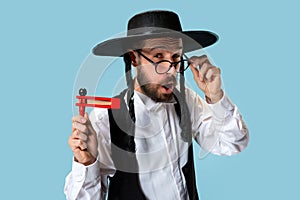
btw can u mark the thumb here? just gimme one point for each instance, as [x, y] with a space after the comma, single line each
[195, 72]
[86, 116]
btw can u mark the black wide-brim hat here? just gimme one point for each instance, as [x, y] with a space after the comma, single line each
[154, 24]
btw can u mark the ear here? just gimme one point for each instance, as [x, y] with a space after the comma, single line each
[133, 58]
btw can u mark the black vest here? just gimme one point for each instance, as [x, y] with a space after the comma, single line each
[124, 185]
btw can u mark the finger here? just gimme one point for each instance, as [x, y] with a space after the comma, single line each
[79, 135]
[77, 143]
[81, 127]
[82, 136]
[211, 73]
[79, 119]
[75, 134]
[89, 125]
[86, 116]
[73, 143]
[203, 70]
[82, 145]
[199, 60]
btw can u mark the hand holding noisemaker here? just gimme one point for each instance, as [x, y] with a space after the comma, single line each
[97, 102]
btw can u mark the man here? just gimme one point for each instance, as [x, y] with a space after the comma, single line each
[145, 148]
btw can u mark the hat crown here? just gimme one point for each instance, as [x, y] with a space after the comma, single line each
[159, 19]
[154, 24]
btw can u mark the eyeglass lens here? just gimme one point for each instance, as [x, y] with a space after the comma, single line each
[164, 66]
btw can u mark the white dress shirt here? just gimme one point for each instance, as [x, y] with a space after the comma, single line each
[160, 151]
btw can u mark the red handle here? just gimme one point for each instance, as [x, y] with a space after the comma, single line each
[82, 108]
[82, 92]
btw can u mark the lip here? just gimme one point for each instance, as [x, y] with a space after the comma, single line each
[167, 87]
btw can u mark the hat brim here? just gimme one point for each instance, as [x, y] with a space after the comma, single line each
[192, 40]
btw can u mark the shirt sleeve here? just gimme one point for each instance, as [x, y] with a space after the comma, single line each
[83, 182]
[218, 128]
[90, 182]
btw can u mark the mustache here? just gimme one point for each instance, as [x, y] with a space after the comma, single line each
[168, 80]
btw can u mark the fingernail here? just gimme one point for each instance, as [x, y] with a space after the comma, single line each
[83, 120]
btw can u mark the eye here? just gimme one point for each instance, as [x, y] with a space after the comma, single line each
[158, 55]
[176, 57]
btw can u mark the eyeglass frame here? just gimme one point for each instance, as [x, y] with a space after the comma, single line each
[155, 64]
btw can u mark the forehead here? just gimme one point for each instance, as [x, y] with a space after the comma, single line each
[166, 43]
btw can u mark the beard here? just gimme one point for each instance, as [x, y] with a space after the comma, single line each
[152, 89]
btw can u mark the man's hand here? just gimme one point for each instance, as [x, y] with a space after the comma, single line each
[207, 77]
[83, 140]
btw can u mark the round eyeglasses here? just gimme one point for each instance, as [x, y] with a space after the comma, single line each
[161, 67]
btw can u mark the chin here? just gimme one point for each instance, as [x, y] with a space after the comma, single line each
[166, 98]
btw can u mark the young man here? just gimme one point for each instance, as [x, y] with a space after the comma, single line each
[145, 148]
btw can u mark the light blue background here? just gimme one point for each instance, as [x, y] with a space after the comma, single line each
[43, 44]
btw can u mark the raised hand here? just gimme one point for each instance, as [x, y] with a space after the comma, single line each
[207, 77]
[83, 140]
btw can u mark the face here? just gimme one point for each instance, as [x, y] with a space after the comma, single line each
[159, 87]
